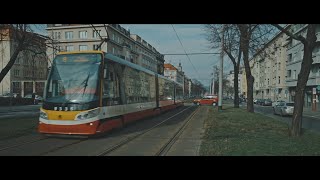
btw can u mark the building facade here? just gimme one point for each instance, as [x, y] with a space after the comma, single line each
[269, 70]
[294, 60]
[29, 72]
[177, 75]
[173, 73]
[82, 37]
[230, 78]
[244, 84]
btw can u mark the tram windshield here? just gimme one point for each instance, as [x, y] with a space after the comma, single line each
[74, 79]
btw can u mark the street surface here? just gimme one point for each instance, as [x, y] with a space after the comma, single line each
[177, 132]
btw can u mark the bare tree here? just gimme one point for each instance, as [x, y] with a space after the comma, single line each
[309, 43]
[22, 39]
[231, 47]
[225, 82]
[197, 88]
[240, 40]
[253, 38]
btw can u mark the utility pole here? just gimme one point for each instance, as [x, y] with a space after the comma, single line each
[221, 70]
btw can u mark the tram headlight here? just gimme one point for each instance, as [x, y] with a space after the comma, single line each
[43, 115]
[88, 114]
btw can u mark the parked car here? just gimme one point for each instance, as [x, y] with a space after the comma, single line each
[259, 101]
[277, 102]
[284, 108]
[37, 98]
[267, 102]
[14, 95]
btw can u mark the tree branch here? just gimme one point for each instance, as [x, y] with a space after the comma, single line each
[299, 38]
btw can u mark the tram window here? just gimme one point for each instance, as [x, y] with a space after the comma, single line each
[111, 93]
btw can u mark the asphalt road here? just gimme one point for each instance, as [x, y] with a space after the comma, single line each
[309, 120]
[19, 137]
[7, 112]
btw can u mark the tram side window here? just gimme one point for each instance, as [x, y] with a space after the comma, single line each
[167, 88]
[179, 92]
[137, 86]
[111, 95]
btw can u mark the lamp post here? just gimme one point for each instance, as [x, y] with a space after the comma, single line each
[221, 70]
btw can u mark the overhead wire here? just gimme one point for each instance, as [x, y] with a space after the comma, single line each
[185, 50]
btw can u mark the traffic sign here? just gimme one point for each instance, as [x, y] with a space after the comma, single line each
[314, 91]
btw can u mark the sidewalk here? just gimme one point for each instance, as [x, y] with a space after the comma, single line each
[309, 113]
[189, 142]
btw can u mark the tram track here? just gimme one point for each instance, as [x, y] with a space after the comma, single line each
[23, 143]
[167, 146]
[130, 139]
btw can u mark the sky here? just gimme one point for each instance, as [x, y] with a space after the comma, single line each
[193, 38]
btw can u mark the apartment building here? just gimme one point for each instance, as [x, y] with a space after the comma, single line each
[29, 72]
[230, 78]
[268, 68]
[177, 75]
[173, 73]
[294, 60]
[82, 37]
[243, 86]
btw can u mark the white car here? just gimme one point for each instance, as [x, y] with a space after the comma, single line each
[284, 109]
[37, 97]
[277, 102]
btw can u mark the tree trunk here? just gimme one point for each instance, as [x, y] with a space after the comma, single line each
[244, 40]
[302, 82]
[250, 81]
[13, 58]
[236, 87]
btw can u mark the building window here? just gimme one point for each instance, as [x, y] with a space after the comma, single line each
[17, 60]
[83, 34]
[294, 74]
[289, 58]
[69, 35]
[112, 36]
[56, 35]
[113, 50]
[279, 67]
[289, 74]
[69, 48]
[83, 47]
[96, 33]
[95, 46]
[16, 72]
[290, 43]
[278, 79]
